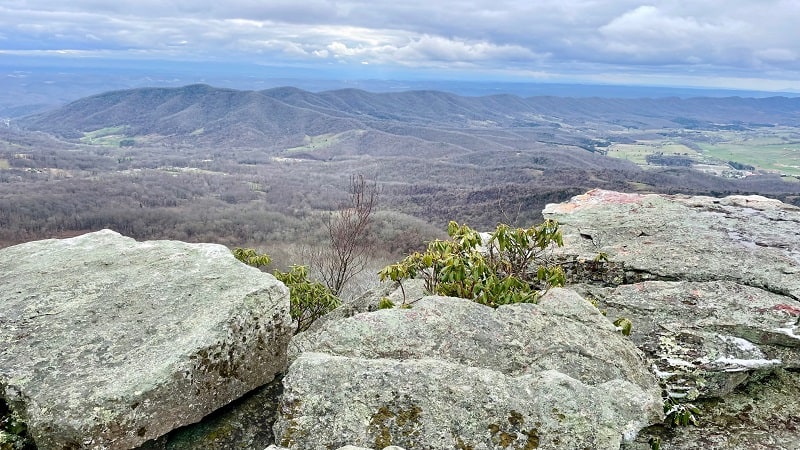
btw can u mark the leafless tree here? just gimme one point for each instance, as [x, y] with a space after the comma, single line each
[350, 242]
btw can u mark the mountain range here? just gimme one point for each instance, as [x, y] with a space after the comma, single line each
[223, 165]
[282, 118]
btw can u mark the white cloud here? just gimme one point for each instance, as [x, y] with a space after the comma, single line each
[778, 55]
[430, 51]
[649, 33]
[438, 48]
[740, 38]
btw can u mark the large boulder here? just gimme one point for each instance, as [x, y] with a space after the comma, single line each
[244, 424]
[750, 240]
[450, 373]
[712, 286]
[107, 342]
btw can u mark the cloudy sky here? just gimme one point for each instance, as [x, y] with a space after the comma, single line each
[748, 44]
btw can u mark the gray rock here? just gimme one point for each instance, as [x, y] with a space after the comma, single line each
[107, 342]
[751, 240]
[408, 292]
[450, 373]
[560, 333]
[434, 404]
[244, 424]
[346, 447]
[707, 338]
[759, 416]
[353, 447]
[722, 326]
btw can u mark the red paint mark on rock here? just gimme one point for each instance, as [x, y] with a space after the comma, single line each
[593, 198]
[788, 309]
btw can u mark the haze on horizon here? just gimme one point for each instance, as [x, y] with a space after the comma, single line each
[733, 44]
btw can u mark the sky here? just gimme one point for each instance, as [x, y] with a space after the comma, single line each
[733, 44]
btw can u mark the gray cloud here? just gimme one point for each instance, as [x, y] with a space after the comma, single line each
[712, 39]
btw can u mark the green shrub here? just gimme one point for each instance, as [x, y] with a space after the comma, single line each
[13, 431]
[680, 414]
[385, 303]
[251, 258]
[513, 268]
[624, 325]
[308, 300]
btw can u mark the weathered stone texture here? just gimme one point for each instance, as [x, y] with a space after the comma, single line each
[450, 373]
[750, 240]
[713, 336]
[712, 287]
[244, 424]
[106, 342]
[763, 415]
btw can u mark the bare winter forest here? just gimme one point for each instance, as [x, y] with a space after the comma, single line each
[264, 169]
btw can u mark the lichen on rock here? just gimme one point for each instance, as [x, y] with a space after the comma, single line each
[107, 342]
[450, 373]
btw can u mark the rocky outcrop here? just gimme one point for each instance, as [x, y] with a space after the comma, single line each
[708, 338]
[712, 287]
[106, 342]
[762, 415]
[750, 240]
[450, 373]
[346, 447]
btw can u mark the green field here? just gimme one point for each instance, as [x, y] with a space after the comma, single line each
[632, 152]
[311, 143]
[779, 156]
[638, 152]
[110, 136]
[4, 164]
[769, 149]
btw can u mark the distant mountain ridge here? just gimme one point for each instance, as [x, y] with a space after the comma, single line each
[283, 116]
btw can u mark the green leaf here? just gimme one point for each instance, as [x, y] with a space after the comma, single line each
[624, 325]
[308, 300]
[250, 257]
[385, 303]
[452, 228]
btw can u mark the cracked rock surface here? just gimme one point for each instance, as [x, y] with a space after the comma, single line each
[106, 342]
[751, 240]
[450, 373]
[712, 286]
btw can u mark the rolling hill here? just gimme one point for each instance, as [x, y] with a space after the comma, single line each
[282, 118]
[223, 165]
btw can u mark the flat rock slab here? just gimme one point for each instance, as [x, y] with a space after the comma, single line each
[450, 373]
[751, 240]
[107, 342]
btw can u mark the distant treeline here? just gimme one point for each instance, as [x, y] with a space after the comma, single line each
[289, 204]
[251, 197]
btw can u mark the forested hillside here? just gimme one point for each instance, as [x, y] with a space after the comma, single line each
[265, 168]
